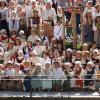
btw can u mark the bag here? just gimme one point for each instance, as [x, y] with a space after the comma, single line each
[94, 27]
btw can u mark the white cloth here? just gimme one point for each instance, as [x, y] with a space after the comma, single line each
[39, 49]
[33, 38]
[49, 13]
[58, 31]
[58, 73]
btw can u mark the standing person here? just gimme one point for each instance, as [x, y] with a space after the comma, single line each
[88, 31]
[49, 18]
[58, 35]
[97, 31]
[35, 21]
[3, 11]
[23, 22]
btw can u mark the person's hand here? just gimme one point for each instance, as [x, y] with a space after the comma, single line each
[50, 18]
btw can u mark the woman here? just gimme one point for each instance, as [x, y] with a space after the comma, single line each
[67, 71]
[3, 12]
[89, 75]
[78, 73]
[23, 22]
[97, 31]
[20, 57]
[35, 21]
[88, 31]
[18, 45]
[28, 48]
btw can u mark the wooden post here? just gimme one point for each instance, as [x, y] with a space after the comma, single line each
[74, 28]
[63, 22]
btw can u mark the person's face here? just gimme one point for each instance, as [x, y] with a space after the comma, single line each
[98, 19]
[2, 4]
[32, 32]
[19, 9]
[47, 66]
[11, 5]
[85, 47]
[88, 14]
[89, 67]
[78, 55]
[48, 5]
[56, 64]
[29, 44]
[67, 67]
[77, 66]
[45, 55]
[56, 54]
[10, 45]
[38, 43]
[35, 13]
[16, 68]
[33, 4]
[51, 53]
[18, 42]
[90, 4]
[94, 54]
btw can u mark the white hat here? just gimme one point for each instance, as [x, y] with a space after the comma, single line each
[38, 39]
[68, 64]
[70, 50]
[89, 2]
[47, 62]
[38, 64]
[96, 50]
[20, 52]
[17, 64]
[33, 1]
[9, 62]
[49, 1]
[90, 63]
[78, 63]
[21, 32]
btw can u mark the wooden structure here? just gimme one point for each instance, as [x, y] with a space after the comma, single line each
[74, 10]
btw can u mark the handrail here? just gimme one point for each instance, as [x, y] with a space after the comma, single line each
[49, 75]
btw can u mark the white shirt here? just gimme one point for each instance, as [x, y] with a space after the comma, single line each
[9, 72]
[58, 73]
[39, 49]
[43, 60]
[49, 13]
[58, 31]
[33, 38]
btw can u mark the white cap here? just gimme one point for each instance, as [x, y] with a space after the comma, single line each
[38, 64]
[78, 63]
[17, 64]
[20, 52]
[49, 1]
[21, 32]
[38, 39]
[90, 63]
[47, 62]
[70, 50]
[9, 62]
[96, 50]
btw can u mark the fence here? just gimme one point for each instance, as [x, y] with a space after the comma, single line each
[48, 83]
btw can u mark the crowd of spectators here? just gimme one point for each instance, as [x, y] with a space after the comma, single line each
[32, 52]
